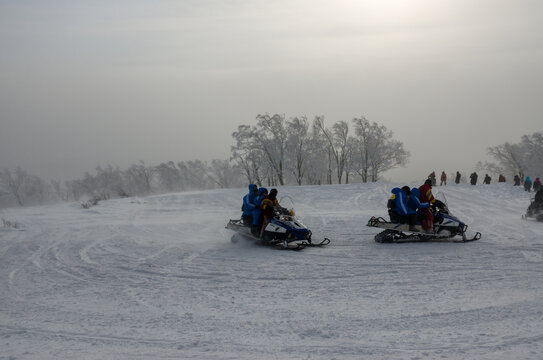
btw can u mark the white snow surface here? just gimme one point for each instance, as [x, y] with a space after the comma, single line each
[159, 278]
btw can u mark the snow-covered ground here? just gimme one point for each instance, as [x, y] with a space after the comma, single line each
[159, 278]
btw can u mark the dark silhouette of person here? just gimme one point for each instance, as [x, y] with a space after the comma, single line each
[473, 178]
[457, 179]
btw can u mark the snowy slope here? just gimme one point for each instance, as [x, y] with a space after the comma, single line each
[159, 278]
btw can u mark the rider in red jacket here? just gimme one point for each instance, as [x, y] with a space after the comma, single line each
[427, 196]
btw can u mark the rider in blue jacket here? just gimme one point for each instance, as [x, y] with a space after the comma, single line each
[414, 205]
[249, 205]
[257, 212]
[397, 205]
[403, 206]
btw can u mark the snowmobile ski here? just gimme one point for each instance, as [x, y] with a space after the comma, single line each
[324, 242]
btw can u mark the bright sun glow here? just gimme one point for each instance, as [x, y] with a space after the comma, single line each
[385, 11]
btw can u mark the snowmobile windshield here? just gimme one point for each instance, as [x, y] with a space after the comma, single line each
[441, 197]
[288, 203]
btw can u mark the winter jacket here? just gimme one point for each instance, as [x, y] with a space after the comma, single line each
[473, 177]
[268, 205]
[426, 195]
[537, 184]
[257, 212]
[249, 201]
[414, 204]
[398, 202]
[458, 176]
[527, 183]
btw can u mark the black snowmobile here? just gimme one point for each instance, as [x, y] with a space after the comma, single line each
[535, 210]
[284, 231]
[446, 228]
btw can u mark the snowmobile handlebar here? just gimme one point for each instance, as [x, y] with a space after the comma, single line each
[279, 210]
[439, 204]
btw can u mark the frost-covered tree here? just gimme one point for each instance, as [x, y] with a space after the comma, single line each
[21, 188]
[338, 144]
[298, 142]
[11, 183]
[510, 159]
[261, 150]
[195, 175]
[109, 182]
[139, 179]
[534, 153]
[318, 159]
[362, 145]
[375, 150]
[36, 190]
[169, 177]
[247, 155]
[271, 137]
[60, 191]
[524, 158]
[223, 174]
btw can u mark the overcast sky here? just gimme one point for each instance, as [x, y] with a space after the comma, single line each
[87, 83]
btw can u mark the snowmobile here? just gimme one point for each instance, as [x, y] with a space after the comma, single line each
[534, 211]
[446, 228]
[284, 231]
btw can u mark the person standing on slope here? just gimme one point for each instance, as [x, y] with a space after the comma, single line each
[458, 176]
[528, 184]
[432, 177]
[537, 185]
[443, 178]
[473, 178]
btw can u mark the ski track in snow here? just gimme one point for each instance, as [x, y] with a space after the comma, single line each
[159, 278]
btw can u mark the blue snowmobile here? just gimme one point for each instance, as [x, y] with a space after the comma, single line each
[447, 227]
[284, 230]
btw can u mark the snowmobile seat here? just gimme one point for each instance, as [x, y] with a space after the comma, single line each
[396, 218]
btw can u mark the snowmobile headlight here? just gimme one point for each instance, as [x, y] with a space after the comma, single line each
[286, 218]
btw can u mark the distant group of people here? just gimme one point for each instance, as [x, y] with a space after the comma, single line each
[258, 208]
[411, 206]
[528, 185]
[527, 182]
[458, 177]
